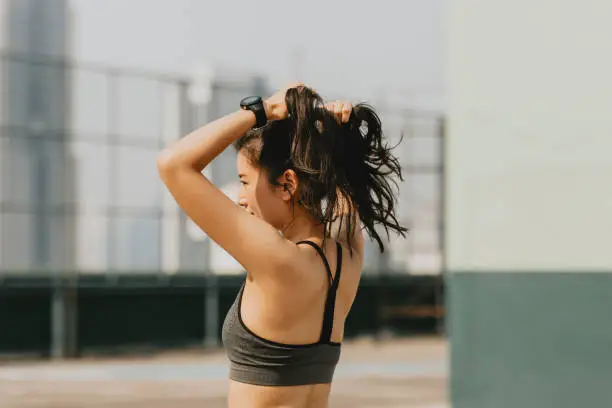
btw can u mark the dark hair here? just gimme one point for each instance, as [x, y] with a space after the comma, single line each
[336, 164]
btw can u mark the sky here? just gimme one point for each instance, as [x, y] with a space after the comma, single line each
[388, 49]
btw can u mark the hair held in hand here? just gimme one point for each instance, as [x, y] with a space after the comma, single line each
[344, 169]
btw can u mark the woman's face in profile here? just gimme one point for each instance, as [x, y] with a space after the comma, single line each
[257, 195]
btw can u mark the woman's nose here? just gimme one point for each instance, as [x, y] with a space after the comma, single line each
[242, 202]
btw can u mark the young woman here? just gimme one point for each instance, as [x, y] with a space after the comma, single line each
[311, 174]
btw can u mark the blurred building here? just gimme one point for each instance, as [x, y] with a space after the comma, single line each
[79, 190]
[78, 186]
[37, 171]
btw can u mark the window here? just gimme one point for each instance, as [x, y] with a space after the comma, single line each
[91, 238]
[136, 182]
[90, 170]
[90, 105]
[135, 244]
[18, 170]
[138, 107]
[17, 239]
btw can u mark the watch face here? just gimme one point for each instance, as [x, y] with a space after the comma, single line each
[250, 100]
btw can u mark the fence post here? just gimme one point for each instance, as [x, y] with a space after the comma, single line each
[64, 311]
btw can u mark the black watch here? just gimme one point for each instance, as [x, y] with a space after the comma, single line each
[256, 105]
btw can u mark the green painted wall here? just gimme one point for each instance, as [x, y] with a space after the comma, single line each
[522, 340]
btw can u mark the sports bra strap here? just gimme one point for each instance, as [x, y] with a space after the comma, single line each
[322, 255]
[330, 302]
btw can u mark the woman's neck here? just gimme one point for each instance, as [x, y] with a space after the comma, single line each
[302, 226]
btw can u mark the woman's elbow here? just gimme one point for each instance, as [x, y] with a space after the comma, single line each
[166, 162]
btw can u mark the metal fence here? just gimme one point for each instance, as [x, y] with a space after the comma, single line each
[79, 190]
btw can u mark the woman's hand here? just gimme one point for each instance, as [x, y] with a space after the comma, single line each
[341, 110]
[275, 106]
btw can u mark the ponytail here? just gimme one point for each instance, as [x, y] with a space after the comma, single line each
[344, 169]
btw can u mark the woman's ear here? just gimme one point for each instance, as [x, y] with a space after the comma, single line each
[289, 181]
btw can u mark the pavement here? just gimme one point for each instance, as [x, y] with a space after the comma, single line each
[393, 373]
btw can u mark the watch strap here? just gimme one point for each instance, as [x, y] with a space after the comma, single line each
[260, 114]
[255, 104]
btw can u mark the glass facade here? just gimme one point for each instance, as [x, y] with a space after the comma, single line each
[79, 190]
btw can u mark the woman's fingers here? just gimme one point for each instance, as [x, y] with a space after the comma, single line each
[338, 111]
[347, 108]
[341, 110]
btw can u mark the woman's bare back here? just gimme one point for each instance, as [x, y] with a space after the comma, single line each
[293, 315]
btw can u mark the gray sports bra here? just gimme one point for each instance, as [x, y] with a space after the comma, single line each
[259, 361]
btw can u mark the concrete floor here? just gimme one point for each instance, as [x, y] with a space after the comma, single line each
[397, 373]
